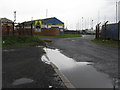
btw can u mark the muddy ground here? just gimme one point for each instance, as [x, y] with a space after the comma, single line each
[24, 62]
[81, 49]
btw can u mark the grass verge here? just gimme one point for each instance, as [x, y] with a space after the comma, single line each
[21, 41]
[60, 36]
[107, 42]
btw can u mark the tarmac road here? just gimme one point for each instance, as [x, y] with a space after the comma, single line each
[81, 49]
[22, 67]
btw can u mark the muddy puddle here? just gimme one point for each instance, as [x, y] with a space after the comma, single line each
[80, 74]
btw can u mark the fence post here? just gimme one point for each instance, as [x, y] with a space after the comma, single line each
[96, 31]
[106, 30]
[13, 28]
[23, 28]
[8, 30]
[31, 29]
[20, 29]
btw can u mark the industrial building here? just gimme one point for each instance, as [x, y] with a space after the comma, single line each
[110, 32]
[7, 26]
[48, 27]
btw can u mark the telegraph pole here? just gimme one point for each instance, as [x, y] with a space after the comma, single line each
[14, 21]
[82, 23]
[14, 16]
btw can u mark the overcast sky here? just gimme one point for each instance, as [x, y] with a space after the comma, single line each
[68, 11]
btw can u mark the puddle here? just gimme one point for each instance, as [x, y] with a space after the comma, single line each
[80, 74]
[45, 59]
[22, 81]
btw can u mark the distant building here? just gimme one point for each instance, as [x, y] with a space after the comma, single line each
[119, 11]
[49, 26]
[7, 26]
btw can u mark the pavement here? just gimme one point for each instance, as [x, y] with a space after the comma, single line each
[22, 68]
[81, 49]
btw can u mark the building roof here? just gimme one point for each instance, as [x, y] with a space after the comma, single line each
[5, 20]
[52, 20]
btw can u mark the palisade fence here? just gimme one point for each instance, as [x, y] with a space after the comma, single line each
[9, 29]
[108, 31]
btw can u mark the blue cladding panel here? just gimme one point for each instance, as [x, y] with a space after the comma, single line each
[52, 21]
[111, 33]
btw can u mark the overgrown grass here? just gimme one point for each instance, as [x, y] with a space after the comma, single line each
[60, 36]
[21, 41]
[107, 42]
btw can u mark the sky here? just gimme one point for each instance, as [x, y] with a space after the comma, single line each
[68, 11]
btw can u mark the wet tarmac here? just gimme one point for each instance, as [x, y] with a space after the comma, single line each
[80, 74]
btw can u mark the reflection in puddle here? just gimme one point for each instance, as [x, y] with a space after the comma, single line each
[80, 74]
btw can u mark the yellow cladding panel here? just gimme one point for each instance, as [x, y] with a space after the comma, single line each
[61, 24]
[38, 24]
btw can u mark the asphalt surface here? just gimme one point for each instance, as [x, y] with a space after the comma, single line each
[22, 68]
[81, 49]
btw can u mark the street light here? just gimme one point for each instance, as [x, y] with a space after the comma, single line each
[82, 23]
[92, 24]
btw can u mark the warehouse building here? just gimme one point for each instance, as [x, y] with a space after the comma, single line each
[48, 27]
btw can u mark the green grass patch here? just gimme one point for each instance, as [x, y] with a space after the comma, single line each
[60, 36]
[107, 42]
[21, 41]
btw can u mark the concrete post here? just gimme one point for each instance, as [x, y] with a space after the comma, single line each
[13, 28]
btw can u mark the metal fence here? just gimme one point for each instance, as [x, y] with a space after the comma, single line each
[108, 31]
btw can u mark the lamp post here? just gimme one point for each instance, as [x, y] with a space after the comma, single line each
[82, 23]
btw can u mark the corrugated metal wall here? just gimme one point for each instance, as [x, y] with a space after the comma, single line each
[111, 32]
